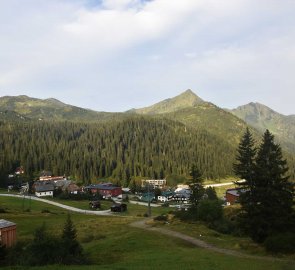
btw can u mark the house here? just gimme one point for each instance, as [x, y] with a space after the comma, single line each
[162, 199]
[42, 190]
[71, 188]
[182, 188]
[181, 197]
[52, 178]
[232, 195]
[166, 196]
[7, 233]
[104, 189]
[19, 170]
[155, 183]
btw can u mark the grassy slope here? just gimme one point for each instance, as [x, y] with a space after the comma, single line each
[112, 244]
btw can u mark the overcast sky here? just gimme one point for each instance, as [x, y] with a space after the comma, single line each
[113, 55]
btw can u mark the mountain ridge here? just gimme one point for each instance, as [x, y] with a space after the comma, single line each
[185, 99]
[192, 115]
[262, 117]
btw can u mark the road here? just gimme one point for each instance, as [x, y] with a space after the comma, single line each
[223, 184]
[70, 208]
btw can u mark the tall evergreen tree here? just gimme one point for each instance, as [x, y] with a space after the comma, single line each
[196, 186]
[272, 197]
[245, 169]
[73, 252]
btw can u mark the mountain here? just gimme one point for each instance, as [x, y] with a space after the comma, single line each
[187, 99]
[262, 117]
[196, 113]
[157, 141]
[24, 107]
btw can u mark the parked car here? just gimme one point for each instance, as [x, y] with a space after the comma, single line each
[119, 207]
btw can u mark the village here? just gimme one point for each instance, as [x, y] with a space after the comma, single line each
[151, 190]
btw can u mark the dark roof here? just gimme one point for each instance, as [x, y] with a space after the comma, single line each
[235, 191]
[101, 186]
[5, 223]
[44, 188]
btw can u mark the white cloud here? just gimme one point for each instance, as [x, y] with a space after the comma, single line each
[242, 49]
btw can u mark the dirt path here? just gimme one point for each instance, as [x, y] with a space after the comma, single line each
[142, 224]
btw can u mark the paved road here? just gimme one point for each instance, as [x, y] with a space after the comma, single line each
[70, 208]
[223, 184]
[142, 224]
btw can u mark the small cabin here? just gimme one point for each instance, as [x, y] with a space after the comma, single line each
[7, 233]
[232, 195]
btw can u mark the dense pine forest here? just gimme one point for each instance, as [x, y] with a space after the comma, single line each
[117, 150]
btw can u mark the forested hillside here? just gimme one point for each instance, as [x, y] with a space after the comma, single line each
[158, 141]
[134, 147]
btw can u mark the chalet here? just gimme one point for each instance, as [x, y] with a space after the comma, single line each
[71, 188]
[42, 190]
[232, 195]
[181, 197]
[104, 189]
[7, 233]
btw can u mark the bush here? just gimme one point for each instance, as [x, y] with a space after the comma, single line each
[165, 204]
[281, 243]
[210, 211]
[87, 238]
[223, 226]
[45, 211]
[2, 210]
[161, 218]
[190, 215]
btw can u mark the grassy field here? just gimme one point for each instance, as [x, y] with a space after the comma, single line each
[111, 243]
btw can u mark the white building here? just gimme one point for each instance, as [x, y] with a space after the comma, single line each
[44, 190]
[155, 183]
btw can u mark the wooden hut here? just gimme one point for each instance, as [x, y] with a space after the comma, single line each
[7, 233]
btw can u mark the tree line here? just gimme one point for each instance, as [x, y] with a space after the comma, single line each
[119, 150]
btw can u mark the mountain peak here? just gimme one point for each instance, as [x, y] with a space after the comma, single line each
[184, 100]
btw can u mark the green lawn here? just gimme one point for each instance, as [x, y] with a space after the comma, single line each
[112, 244]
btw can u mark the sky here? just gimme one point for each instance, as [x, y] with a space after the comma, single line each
[114, 55]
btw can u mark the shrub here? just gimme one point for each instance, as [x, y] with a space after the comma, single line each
[2, 210]
[46, 211]
[161, 218]
[281, 243]
[210, 211]
[87, 238]
[165, 204]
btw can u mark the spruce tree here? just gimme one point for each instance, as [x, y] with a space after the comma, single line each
[72, 250]
[196, 186]
[272, 194]
[245, 169]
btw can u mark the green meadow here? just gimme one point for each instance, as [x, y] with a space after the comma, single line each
[110, 243]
